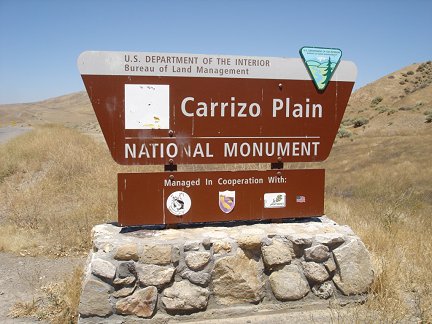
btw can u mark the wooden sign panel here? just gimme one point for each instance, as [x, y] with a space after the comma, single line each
[159, 108]
[191, 197]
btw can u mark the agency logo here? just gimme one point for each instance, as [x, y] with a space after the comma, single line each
[275, 200]
[321, 63]
[226, 201]
[178, 203]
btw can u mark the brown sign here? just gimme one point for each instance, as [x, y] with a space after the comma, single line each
[190, 197]
[186, 108]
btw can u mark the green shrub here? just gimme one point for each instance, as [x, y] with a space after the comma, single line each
[344, 133]
[406, 108]
[382, 109]
[375, 101]
[358, 122]
[347, 122]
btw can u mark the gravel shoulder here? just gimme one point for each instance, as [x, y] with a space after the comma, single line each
[22, 277]
[7, 133]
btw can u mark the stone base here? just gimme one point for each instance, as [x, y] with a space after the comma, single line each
[209, 272]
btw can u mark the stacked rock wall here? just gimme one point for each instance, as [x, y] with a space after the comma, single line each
[161, 273]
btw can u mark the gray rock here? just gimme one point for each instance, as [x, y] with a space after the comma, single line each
[300, 242]
[126, 274]
[289, 283]
[123, 292]
[154, 275]
[207, 243]
[278, 253]
[330, 264]
[184, 296]
[330, 239]
[315, 272]
[317, 253]
[95, 299]
[192, 246]
[354, 273]
[126, 269]
[197, 260]
[103, 269]
[300, 239]
[124, 281]
[237, 279]
[266, 240]
[175, 255]
[324, 290]
[199, 278]
[141, 303]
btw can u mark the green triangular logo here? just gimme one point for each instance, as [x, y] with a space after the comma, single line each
[321, 63]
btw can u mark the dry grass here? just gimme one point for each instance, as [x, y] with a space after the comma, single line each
[380, 187]
[55, 184]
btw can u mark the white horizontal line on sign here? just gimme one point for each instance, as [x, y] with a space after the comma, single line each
[202, 66]
[234, 137]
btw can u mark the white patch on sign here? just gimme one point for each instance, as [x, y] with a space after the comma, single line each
[275, 200]
[179, 203]
[147, 106]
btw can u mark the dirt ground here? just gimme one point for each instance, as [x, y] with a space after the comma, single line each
[22, 277]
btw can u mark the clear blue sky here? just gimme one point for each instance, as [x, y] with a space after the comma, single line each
[40, 40]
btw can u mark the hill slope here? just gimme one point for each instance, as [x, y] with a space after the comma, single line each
[73, 110]
[394, 104]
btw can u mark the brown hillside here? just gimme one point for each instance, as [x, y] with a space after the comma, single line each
[394, 104]
[73, 110]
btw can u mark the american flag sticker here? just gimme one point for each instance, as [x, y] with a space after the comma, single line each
[300, 199]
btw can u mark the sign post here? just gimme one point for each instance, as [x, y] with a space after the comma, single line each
[170, 109]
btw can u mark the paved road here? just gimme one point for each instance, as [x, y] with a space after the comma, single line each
[7, 133]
